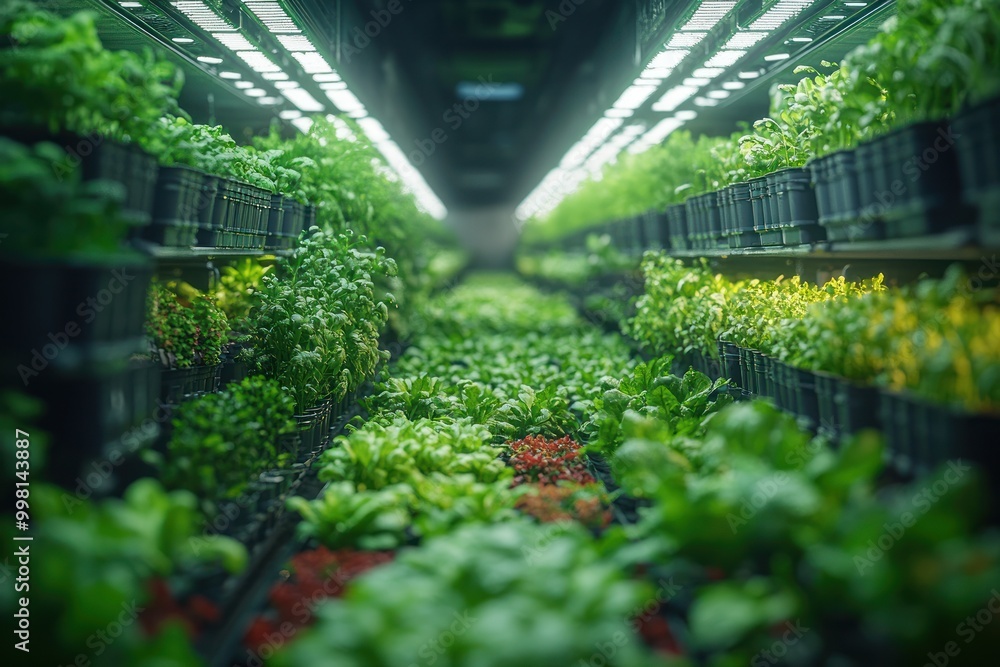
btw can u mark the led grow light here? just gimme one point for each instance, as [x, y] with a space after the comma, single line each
[209, 60]
[286, 85]
[686, 115]
[634, 97]
[203, 16]
[782, 12]
[802, 39]
[374, 130]
[345, 100]
[683, 40]
[774, 57]
[748, 75]
[708, 15]
[725, 58]
[272, 16]
[674, 97]
[289, 114]
[330, 76]
[268, 101]
[230, 75]
[618, 113]
[705, 102]
[833, 17]
[303, 124]
[744, 40]
[301, 98]
[258, 62]
[707, 72]
[657, 134]
[243, 85]
[855, 4]
[255, 92]
[669, 59]
[313, 63]
[719, 94]
[296, 43]
[182, 40]
[333, 85]
[131, 5]
[274, 76]
[696, 82]
[234, 41]
[656, 73]
[734, 85]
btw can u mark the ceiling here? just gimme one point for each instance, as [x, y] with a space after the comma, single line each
[539, 73]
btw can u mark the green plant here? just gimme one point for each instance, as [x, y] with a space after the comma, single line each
[56, 74]
[183, 336]
[316, 325]
[50, 213]
[237, 289]
[221, 441]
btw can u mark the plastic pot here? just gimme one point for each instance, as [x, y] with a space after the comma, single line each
[806, 401]
[677, 227]
[181, 384]
[846, 407]
[175, 215]
[977, 147]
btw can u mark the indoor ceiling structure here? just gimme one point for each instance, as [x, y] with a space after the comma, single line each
[491, 107]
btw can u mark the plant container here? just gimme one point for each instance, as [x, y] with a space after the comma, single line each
[806, 403]
[767, 224]
[678, 227]
[182, 384]
[748, 379]
[797, 208]
[729, 356]
[845, 407]
[869, 222]
[175, 217]
[977, 146]
[922, 195]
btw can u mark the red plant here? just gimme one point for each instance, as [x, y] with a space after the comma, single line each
[536, 459]
[193, 615]
[312, 576]
[655, 631]
[548, 502]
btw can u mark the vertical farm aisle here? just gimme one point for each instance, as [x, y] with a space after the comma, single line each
[525, 491]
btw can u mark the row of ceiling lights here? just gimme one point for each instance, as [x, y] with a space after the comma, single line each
[588, 157]
[273, 16]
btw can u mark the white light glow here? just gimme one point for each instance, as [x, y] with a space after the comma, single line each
[708, 15]
[668, 59]
[272, 16]
[268, 101]
[748, 75]
[744, 40]
[634, 97]
[330, 76]
[774, 57]
[230, 75]
[289, 114]
[302, 100]
[725, 58]
[696, 82]
[836, 17]
[303, 124]
[734, 85]
[682, 40]
[255, 92]
[345, 100]
[286, 85]
[618, 113]
[203, 16]
[707, 72]
[782, 12]
[719, 94]
[257, 61]
[376, 133]
[802, 39]
[182, 40]
[705, 102]
[131, 5]
[674, 97]
[274, 76]
[656, 134]
[855, 4]
[234, 41]
[209, 60]
[647, 81]
[333, 85]
[296, 43]
[243, 85]
[689, 114]
[313, 63]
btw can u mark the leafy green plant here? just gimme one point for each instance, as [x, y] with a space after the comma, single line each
[50, 213]
[221, 441]
[181, 335]
[237, 289]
